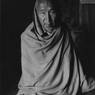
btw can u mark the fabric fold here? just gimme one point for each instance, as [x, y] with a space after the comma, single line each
[50, 65]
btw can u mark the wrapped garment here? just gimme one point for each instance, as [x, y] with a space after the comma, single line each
[50, 64]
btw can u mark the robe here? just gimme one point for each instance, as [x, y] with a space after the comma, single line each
[50, 63]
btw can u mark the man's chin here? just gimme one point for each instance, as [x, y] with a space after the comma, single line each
[49, 30]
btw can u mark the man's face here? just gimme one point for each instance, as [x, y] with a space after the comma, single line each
[47, 16]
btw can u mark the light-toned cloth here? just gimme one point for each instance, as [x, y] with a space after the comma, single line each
[50, 65]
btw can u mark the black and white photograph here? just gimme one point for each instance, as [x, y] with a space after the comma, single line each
[47, 47]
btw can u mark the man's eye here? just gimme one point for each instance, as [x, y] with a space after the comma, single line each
[52, 12]
[42, 12]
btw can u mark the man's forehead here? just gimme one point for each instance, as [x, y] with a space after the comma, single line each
[45, 5]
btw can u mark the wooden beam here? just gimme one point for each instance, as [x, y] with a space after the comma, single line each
[87, 1]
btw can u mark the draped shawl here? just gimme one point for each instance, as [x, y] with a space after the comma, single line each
[50, 65]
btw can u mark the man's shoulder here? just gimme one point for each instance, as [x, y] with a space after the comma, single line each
[28, 30]
[30, 26]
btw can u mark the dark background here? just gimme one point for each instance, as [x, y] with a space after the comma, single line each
[16, 15]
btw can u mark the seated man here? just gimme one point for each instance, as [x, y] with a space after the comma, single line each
[50, 64]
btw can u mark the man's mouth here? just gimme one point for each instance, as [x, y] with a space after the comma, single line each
[49, 26]
[49, 29]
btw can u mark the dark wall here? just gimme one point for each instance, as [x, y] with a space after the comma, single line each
[16, 15]
[91, 37]
[87, 45]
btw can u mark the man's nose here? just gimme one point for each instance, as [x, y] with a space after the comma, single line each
[48, 20]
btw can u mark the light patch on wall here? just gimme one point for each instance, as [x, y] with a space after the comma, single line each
[87, 1]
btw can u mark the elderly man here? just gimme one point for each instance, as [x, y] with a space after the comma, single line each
[50, 65]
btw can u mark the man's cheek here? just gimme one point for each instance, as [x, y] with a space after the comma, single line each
[41, 20]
